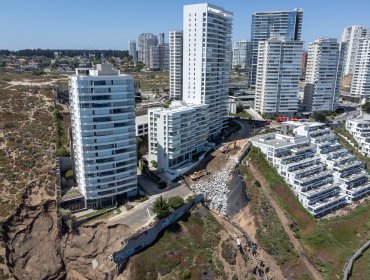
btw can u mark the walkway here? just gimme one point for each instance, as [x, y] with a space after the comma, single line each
[348, 267]
[285, 222]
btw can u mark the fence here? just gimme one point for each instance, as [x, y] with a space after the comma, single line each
[147, 236]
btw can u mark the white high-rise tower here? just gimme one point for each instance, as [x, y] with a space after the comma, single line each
[278, 72]
[103, 131]
[352, 35]
[176, 46]
[207, 59]
[361, 76]
[323, 75]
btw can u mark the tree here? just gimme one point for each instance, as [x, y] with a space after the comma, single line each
[239, 107]
[320, 117]
[175, 202]
[161, 208]
[237, 68]
[366, 107]
[154, 163]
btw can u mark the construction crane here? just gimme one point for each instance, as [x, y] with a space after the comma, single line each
[228, 147]
[199, 174]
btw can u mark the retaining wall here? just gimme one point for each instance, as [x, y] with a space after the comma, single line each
[147, 236]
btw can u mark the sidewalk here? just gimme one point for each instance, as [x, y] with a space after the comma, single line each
[254, 114]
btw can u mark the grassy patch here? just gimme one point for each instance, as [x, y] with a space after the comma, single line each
[329, 242]
[185, 249]
[354, 150]
[245, 115]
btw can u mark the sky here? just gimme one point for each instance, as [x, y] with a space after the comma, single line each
[109, 24]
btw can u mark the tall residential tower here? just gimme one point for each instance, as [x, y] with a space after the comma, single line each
[323, 76]
[103, 131]
[266, 25]
[132, 50]
[278, 72]
[207, 60]
[352, 35]
[176, 46]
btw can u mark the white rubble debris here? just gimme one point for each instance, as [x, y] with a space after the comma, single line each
[215, 189]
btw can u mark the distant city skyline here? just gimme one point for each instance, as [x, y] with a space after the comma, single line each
[96, 25]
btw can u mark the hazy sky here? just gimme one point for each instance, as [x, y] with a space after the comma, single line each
[109, 24]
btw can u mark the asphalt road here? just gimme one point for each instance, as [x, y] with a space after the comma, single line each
[350, 113]
[142, 214]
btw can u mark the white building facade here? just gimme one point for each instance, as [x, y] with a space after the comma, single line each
[278, 72]
[266, 25]
[323, 175]
[360, 129]
[323, 76]
[103, 131]
[177, 136]
[207, 60]
[241, 52]
[361, 75]
[351, 36]
[176, 47]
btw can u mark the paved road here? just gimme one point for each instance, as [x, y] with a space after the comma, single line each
[138, 216]
[350, 113]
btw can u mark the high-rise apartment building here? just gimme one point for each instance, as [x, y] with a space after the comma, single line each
[176, 46]
[159, 57]
[132, 50]
[352, 35]
[278, 72]
[360, 87]
[266, 25]
[103, 131]
[146, 40]
[177, 135]
[241, 51]
[207, 60]
[323, 76]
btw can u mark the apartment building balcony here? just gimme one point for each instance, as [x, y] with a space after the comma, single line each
[328, 205]
[302, 164]
[319, 132]
[339, 161]
[358, 192]
[294, 157]
[303, 148]
[308, 170]
[314, 180]
[348, 168]
[323, 138]
[321, 193]
[330, 148]
[337, 153]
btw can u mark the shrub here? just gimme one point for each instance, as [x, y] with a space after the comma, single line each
[67, 218]
[161, 208]
[175, 202]
[185, 274]
[63, 152]
[154, 163]
[69, 174]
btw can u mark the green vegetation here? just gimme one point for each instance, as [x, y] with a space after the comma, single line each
[69, 174]
[245, 115]
[366, 107]
[354, 150]
[343, 131]
[185, 250]
[161, 208]
[154, 163]
[361, 267]
[175, 202]
[67, 218]
[320, 117]
[329, 242]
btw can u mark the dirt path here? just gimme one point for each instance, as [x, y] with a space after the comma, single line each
[285, 222]
[237, 231]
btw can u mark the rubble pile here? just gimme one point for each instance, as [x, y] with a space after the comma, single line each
[216, 188]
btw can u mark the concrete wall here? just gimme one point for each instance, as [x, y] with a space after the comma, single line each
[147, 236]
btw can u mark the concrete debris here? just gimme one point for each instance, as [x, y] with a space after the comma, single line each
[216, 188]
